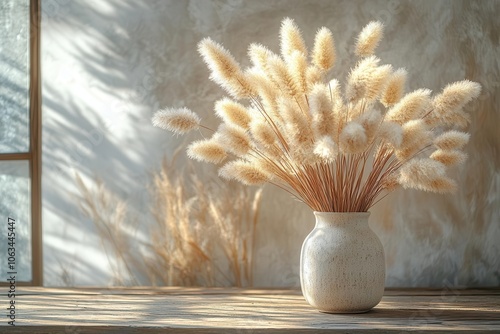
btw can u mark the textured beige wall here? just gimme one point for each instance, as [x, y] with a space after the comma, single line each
[138, 56]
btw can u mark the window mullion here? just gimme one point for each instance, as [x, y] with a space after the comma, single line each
[35, 144]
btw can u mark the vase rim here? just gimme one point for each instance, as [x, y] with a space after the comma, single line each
[342, 214]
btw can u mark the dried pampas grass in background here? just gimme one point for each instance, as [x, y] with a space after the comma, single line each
[200, 235]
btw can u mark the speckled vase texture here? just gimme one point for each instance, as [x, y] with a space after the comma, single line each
[342, 266]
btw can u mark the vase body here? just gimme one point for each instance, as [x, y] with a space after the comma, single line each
[342, 265]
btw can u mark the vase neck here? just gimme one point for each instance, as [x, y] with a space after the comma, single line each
[341, 219]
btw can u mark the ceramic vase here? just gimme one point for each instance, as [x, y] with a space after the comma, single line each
[342, 266]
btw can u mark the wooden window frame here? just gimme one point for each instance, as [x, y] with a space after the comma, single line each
[33, 156]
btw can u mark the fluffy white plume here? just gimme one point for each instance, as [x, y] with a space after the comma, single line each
[207, 150]
[291, 38]
[353, 138]
[243, 171]
[234, 139]
[369, 38]
[411, 106]
[178, 120]
[395, 88]
[359, 78]
[392, 133]
[323, 55]
[420, 173]
[326, 148]
[451, 140]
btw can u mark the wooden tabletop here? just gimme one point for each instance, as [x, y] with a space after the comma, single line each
[200, 310]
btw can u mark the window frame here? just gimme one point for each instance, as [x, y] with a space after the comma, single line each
[33, 156]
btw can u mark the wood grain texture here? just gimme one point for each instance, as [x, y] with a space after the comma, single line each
[47, 310]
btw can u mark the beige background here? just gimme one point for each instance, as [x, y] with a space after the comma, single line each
[108, 65]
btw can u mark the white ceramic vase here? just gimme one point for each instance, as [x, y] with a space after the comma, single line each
[342, 266]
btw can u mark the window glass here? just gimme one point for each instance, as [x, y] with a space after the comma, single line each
[14, 76]
[15, 203]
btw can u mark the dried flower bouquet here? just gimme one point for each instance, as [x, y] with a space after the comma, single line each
[337, 150]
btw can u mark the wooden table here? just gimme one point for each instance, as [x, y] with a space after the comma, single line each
[200, 310]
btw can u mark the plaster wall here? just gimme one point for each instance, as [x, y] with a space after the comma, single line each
[108, 65]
